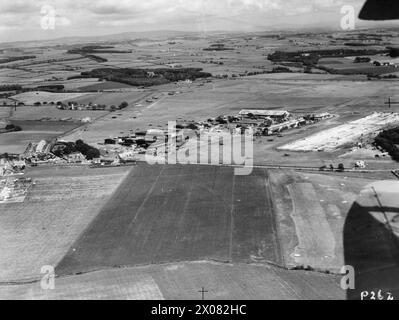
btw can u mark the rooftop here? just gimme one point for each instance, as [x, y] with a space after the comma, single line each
[265, 113]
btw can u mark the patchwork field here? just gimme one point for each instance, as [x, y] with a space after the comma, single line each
[182, 281]
[28, 113]
[159, 232]
[314, 212]
[29, 98]
[165, 232]
[57, 209]
[179, 213]
[33, 131]
[229, 97]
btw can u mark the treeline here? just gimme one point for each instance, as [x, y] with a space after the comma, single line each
[10, 87]
[389, 140]
[312, 57]
[51, 88]
[96, 49]
[393, 52]
[371, 71]
[145, 77]
[10, 128]
[362, 60]
[65, 148]
[96, 58]
[217, 47]
[12, 59]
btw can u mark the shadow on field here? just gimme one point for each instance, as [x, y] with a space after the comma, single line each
[373, 250]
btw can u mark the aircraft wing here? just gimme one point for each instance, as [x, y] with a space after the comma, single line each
[380, 10]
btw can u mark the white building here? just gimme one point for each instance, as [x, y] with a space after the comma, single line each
[41, 146]
[273, 114]
[86, 120]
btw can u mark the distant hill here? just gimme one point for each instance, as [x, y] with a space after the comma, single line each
[125, 36]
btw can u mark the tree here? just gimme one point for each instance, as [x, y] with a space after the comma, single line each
[92, 154]
[192, 126]
[341, 167]
[11, 127]
[123, 105]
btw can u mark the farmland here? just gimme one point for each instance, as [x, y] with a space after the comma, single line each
[16, 142]
[58, 207]
[180, 281]
[221, 223]
[164, 219]
[29, 98]
[311, 211]
[199, 222]
[166, 231]
[178, 213]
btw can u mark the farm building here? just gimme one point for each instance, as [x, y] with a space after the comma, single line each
[286, 125]
[253, 122]
[41, 146]
[276, 115]
[75, 157]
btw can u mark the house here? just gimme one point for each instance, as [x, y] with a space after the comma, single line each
[20, 164]
[75, 157]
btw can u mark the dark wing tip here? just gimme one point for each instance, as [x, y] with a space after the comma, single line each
[380, 10]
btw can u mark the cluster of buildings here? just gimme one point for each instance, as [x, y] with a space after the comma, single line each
[269, 122]
[127, 149]
[262, 122]
[10, 167]
[14, 190]
[80, 107]
[43, 153]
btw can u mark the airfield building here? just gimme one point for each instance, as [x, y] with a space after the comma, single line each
[285, 126]
[276, 115]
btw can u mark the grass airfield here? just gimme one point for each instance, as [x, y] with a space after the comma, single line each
[286, 228]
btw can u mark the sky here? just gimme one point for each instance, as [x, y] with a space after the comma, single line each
[22, 20]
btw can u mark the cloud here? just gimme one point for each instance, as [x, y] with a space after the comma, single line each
[86, 15]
